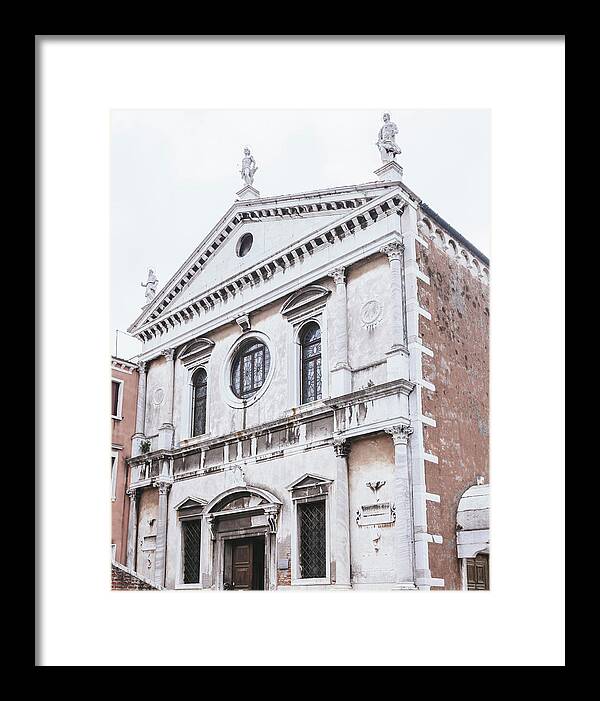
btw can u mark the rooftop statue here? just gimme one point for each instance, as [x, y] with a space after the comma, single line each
[249, 167]
[388, 148]
[151, 284]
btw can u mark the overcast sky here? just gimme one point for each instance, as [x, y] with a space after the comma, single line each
[174, 173]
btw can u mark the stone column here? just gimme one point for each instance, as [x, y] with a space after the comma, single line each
[404, 555]
[341, 375]
[132, 529]
[341, 515]
[166, 431]
[140, 412]
[398, 353]
[160, 561]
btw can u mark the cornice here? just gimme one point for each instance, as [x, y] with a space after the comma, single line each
[401, 385]
[123, 365]
[269, 295]
[238, 214]
[357, 219]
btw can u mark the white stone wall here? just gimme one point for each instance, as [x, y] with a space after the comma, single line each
[273, 475]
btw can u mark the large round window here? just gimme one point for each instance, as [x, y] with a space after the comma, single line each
[244, 245]
[249, 369]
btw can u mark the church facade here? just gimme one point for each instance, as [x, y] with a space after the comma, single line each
[312, 399]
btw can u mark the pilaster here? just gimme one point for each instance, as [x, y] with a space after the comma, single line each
[140, 412]
[341, 516]
[397, 355]
[132, 529]
[404, 554]
[164, 484]
[341, 374]
[166, 431]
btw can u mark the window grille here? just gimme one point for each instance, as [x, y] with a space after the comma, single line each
[191, 551]
[313, 550]
[311, 363]
[199, 385]
[250, 368]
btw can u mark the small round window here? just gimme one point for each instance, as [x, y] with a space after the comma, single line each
[250, 368]
[244, 245]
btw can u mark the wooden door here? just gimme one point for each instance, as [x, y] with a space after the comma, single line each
[478, 573]
[242, 565]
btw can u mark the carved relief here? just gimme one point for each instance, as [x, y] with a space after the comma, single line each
[158, 396]
[371, 313]
[375, 487]
[272, 512]
[210, 523]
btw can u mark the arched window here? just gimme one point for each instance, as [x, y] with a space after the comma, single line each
[199, 402]
[250, 368]
[310, 343]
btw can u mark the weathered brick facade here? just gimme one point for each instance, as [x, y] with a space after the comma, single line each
[458, 335]
[124, 579]
[122, 430]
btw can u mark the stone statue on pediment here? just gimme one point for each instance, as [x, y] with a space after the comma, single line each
[249, 167]
[388, 148]
[151, 284]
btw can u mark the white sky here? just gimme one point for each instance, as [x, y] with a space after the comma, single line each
[174, 173]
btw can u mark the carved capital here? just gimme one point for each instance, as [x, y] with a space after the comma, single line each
[132, 493]
[393, 250]
[163, 486]
[338, 274]
[341, 448]
[169, 354]
[272, 513]
[142, 366]
[210, 523]
[400, 434]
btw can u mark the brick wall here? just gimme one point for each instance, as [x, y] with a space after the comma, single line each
[122, 430]
[124, 579]
[458, 334]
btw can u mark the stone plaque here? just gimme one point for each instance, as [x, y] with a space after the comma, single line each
[376, 514]
[149, 543]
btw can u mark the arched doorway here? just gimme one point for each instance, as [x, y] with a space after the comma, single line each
[473, 537]
[242, 526]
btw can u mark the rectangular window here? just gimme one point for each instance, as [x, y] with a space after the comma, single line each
[313, 546]
[117, 387]
[114, 460]
[190, 531]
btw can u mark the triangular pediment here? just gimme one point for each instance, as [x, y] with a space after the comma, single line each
[308, 480]
[190, 503]
[284, 231]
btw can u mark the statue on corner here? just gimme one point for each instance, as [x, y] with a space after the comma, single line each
[249, 167]
[388, 148]
[151, 284]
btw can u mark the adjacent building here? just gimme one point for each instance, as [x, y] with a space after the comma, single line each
[312, 401]
[124, 386]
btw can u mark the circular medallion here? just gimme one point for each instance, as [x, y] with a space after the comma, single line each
[158, 396]
[371, 313]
